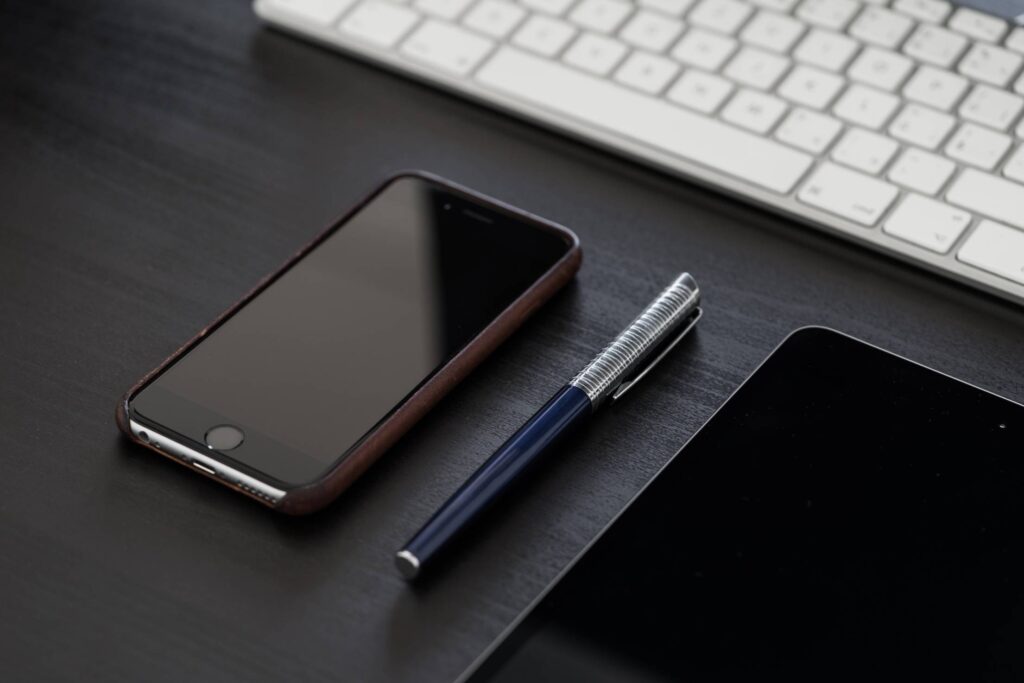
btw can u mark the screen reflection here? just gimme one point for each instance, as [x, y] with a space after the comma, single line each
[326, 351]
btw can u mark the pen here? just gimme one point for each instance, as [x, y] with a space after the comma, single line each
[623, 363]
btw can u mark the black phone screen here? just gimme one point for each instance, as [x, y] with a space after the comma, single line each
[321, 355]
[846, 515]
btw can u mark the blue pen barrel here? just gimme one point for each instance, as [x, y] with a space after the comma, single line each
[612, 372]
[568, 407]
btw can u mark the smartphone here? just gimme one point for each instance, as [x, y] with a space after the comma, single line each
[293, 392]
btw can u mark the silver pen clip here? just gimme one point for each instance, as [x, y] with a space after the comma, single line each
[635, 379]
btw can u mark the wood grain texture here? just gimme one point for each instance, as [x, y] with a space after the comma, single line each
[158, 159]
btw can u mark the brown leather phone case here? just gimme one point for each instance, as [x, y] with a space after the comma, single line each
[311, 497]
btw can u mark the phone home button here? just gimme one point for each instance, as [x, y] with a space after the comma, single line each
[224, 437]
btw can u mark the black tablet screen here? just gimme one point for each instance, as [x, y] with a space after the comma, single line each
[846, 515]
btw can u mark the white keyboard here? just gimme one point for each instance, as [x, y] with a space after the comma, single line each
[897, 125]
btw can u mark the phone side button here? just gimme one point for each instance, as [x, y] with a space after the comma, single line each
[204, 468]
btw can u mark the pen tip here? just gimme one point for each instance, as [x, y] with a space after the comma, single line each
[408, 564]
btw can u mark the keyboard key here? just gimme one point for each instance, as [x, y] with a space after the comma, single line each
[932, 11]
[1015, 41]
[595, 53]
[991, 107]
[651, 31]
[866, 106]
[990, 64]
[378, 22]
[443, 9]
[663, 126]
[977, 25]
[865, 151]
[936, 88]
[724, 16]
[544, 35]
[446, 47]
[317, 11]
[927, 223]
[811, 87]
[553, 7]
[935, 45]
[826, 50]
[997, 249]
[600, 15]
[754, 111]
[756, 68]
[808, 130]
[700, 91]
[978, 146]
[496, 18]
[921, 126]
[989, 195]
[647, 72]
[881, 27]
[673, 8]
[704, 49]
[833, 14]
[921, 171]
[881, 68]
[849, 194]
[771, 31]
[782, 6]
[1015, 166]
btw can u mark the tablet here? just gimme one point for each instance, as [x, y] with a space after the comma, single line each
[846, 515]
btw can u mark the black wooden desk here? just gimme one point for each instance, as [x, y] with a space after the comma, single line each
[157, 159]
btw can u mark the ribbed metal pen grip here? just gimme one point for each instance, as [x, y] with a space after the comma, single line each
[627, 351]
